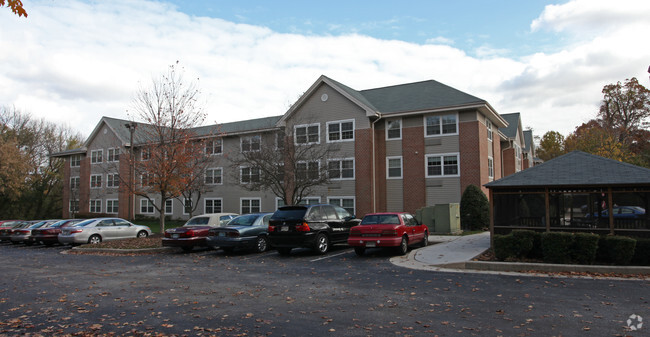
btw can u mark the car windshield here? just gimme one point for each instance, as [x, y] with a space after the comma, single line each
[200, 221]
[289, 213]
[244, 220]
[84, 223]
[38, 224]
[379, 219]
[59, 223]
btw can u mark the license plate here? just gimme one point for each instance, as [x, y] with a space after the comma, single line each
[284, 229]
[175, 236]
[222, 233]
[371, 244]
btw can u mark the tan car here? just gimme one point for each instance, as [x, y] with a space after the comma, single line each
[195, 230]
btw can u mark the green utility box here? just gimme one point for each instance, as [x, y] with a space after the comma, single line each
[441, 219]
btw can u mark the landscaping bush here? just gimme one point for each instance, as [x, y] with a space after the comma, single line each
[556, 247]
[504, 246]
[618, 250]
[525, 242]
[642, 252]
[585, 246]
[474, 209]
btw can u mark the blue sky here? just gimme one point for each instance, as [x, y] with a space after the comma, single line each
[74, 61]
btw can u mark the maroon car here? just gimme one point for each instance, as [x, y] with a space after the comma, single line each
[50, 235]
[195, 230]
[398, 230]
[22, 235]
[7, 232]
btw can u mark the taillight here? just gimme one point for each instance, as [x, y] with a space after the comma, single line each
[78, 230]
[232, 234]
[271, 228]
[304, 227]
[188, 234]
[389, 232]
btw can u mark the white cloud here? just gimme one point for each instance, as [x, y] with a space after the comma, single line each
[440, 40]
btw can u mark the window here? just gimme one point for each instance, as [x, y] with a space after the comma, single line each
[95, 206]
[169, 206]
[307, 134]
[146, 179]
[145, 154]
[113, 155]
[442, 165]
[394, 129]
[340, 131]
[212, 206]
[279, 203]
[440, 125]
[95, 181]
[96, 156]
[488, 125]
[251, 143]
[75, 161]
[213, 146]
[213, 176]
[249, 175]
[490, 168]
[146, 206]
[250, 205]
[75, 182]
[279, 141]
[394, 167]
[112, 180]
[341, 169]
[309, 201]
[346, 203]
[307, 170]
[187, 206]
[74, 206]
[112, 206]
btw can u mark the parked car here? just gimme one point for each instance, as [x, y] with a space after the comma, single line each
[8, 223]
[397, 230]
[50, 235]
[6, 232]
[195, 230]
[624, 212]
[245, 231]
[102, 229]
[22, 235]
[310, 226]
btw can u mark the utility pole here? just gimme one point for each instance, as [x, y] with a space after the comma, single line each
[131, 126]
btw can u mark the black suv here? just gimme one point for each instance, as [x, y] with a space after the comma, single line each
[310, 226]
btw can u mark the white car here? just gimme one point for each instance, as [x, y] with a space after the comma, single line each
[100, 229]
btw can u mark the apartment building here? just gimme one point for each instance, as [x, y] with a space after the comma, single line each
[400, 147]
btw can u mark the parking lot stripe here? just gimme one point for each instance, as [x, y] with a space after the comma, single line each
[330, 256]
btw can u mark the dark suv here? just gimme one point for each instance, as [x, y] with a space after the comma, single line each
[310, 226]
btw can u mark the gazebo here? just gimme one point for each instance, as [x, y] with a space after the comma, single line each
[574, 192]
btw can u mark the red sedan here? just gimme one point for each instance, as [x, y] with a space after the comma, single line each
[396, 229]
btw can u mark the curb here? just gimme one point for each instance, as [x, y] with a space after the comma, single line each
[548, 267]
[119, 251]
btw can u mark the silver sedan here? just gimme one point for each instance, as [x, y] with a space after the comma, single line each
[100, 229]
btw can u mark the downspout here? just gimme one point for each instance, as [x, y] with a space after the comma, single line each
[374, 168]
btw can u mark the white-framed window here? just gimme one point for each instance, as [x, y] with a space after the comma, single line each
[279, 141]
[310, 201]
[75, 182]
[394, 129]
[75, 160]
[394, 167]
[112, 180]
[307, 170]
[340, 131]
[517, 150]
[490, 168]
[145, 154]
[249, 174]
[187, 206]
[147, 179]
[488, 126]
[96, 156]
[213, 176]
[345, 202]
[250, 205]
[212, 205]
[95, 181]
[146, 206]
[74, 206]
[339, 169]
[441, 125]
[213, 146]
[95, 206]
[250, 143]
[307, 134]
[112, 206]
[113, 154]
[169, 206]
[442, 165]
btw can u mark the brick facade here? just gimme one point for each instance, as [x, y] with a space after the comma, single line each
[414, 192]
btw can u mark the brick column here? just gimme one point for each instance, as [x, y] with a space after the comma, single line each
[414, 190]
[363, 172]
[84, 185]
[473, 155]
[66, 189]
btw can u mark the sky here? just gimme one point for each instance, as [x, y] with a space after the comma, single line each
[72, 62]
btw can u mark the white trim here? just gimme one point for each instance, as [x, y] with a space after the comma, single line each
[401, 167]
[108, 211]
[354, 202]
[306, 126]
[249, 175]
[101, 183]
[488, 126]
[205, 205]
[388, 120]
[241, 205]
[100, 157]
[340, 161]
[116, 151]
[153, 209]
[205, 176]
[241, 142]
[442, 165]
[90, 205]
[340, 122]
[490, 159]
[70, 205]
[424, 120]
[184, 208]
[307, 167]
[315, 199]
[172, 204]
[214, 140]
[116, 182]
[78, 162]
[78, 184]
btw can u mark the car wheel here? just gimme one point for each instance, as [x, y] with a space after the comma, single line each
[94, 239]
[425, 240]
[322, 244]
[143, 234]
[359, 250]
[403, 246]
[262, 244]
[284, 250]
[187, 248]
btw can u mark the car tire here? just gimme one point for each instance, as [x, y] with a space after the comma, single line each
[403, 246]
[143, 234]
[322, 244]
[262, 244]
[94, 239]
[359, 250]
[284, 251]
[187, 248]
[425, 240]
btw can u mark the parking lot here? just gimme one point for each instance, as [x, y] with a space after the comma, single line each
[207, 292]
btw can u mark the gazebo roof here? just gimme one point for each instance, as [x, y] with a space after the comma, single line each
[577, 168]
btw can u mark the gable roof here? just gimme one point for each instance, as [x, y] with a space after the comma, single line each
[577, 169]
[528, 140]
[514, 121]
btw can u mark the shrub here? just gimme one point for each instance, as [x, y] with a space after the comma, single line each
[585, 246]
[618, 250]
[525, 241]
[504, 246]
[474, 209]
[642, 252]
[556, 247]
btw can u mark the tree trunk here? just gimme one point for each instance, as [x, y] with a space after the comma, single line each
[162, 214]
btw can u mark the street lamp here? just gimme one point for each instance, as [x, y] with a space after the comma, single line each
[131, 126]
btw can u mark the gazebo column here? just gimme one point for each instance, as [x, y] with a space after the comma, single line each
[547, 206]
[610, 211]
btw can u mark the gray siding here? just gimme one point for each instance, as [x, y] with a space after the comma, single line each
[442, 190]
[395, 195]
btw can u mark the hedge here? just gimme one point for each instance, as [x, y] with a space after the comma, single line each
[618, 250]
[642, 252]
[557, 247]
